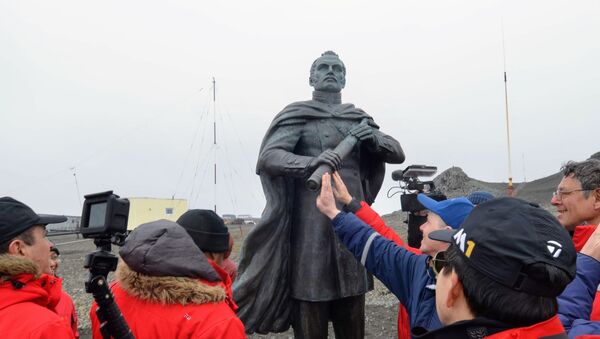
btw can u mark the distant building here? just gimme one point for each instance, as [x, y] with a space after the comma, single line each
[142, 210]
[228, 218]
[71, 225]
[247, 218]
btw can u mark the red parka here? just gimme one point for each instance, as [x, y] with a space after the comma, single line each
[551, 328]
[174, 307]
[166, 288]
[66, 309]
[27, 301]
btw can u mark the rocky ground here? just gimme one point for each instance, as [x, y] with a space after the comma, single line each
[381, 306]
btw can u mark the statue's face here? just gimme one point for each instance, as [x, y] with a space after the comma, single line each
[328, 75]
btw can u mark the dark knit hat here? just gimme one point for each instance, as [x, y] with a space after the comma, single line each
[16, 218]
[207, 229]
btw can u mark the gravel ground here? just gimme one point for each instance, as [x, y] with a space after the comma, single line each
[381, 305]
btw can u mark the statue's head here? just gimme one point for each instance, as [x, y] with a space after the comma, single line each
[328, 73]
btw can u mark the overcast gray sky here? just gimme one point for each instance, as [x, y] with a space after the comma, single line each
[121, 90]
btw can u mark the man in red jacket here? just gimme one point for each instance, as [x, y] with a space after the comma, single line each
[28, 296]
[577, 201]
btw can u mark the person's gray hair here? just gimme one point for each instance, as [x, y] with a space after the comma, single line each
[587, 172]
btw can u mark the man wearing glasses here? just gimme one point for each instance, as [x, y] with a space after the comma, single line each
[577, 201]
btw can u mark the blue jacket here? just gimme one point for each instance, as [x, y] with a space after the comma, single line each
[405, 274]
[575, 303]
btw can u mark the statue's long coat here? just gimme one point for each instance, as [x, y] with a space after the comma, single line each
[277, 261]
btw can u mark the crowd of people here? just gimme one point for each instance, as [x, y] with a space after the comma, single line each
[487, 267]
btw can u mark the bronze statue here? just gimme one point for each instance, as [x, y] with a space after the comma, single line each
[293, 270]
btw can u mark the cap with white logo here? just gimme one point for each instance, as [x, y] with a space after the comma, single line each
[502, 237]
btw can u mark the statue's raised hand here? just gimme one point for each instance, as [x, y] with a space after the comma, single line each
[362, 132]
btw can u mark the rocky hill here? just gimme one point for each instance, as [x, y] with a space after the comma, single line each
[455, 182]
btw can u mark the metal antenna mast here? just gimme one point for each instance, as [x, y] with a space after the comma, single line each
[510, 184]
[76, 185]
[524, 174]
[215, 137]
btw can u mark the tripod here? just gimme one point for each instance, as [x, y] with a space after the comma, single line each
[100, 263]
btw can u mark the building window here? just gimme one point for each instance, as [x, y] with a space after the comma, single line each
[169, 211]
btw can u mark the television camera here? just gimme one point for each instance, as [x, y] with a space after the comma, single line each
[104, 219]
[410, 186]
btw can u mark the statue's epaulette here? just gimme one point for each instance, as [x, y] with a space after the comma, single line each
[292, 121]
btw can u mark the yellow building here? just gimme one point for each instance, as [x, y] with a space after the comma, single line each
[142, 210]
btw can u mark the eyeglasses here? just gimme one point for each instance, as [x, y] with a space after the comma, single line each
[560, 194]
[438, 262]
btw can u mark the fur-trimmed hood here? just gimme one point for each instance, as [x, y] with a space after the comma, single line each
[163, 248]
[26, 283]
[12, 266]
[168, 289]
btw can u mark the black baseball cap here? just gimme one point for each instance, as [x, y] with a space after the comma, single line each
[502, 237]
[16, 218]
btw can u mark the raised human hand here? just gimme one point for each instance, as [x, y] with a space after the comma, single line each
[592, 246]
[325, 200]
[340, 191]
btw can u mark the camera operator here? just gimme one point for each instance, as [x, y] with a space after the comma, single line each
[166, 288]
[28, 294]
